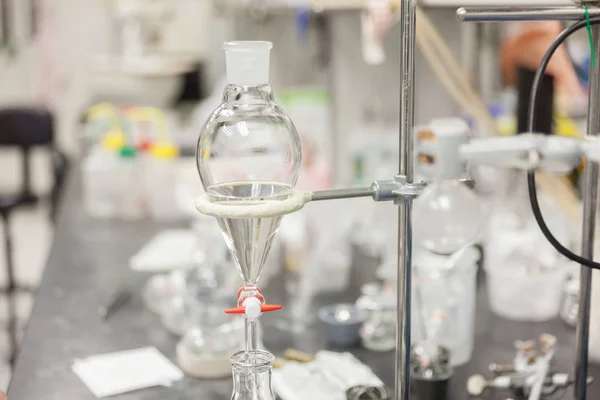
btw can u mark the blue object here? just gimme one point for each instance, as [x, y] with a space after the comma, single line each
[302, 23]
[496, 110]
[583, 73]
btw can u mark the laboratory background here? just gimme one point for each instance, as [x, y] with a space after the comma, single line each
[299, 199]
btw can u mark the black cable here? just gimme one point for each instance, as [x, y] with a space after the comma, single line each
[531, 173]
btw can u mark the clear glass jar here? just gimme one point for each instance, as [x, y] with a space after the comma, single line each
[378, 333]
[252, 375]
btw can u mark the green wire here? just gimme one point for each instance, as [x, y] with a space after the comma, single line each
[589, 31]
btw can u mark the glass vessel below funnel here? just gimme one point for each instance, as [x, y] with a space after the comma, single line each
[252, 375]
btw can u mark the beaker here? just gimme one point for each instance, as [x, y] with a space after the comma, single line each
[446, 292]
[252, 375]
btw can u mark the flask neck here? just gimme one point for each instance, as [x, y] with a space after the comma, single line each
[252, 375]
[248, 94]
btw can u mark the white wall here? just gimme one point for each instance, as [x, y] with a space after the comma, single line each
[354, 83]
[79, 28]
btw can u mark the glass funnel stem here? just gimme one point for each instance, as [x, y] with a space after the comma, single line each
[251, 335]
[251, 349]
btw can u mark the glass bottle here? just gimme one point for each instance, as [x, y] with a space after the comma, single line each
[252, 375]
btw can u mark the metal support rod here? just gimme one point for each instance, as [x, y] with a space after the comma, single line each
[334, 194]
[408, 9]
[524, 14]
[590, 206]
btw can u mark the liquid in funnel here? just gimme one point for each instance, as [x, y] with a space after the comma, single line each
[249, 239]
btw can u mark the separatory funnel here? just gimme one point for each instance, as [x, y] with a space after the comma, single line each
[249, 157]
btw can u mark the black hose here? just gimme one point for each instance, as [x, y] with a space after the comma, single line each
[535, 206]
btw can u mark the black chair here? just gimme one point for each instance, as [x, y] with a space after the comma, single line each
[25, 129]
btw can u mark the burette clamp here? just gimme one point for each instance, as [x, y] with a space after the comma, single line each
[397, 189]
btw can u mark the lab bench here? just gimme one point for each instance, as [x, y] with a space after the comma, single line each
[88, 261]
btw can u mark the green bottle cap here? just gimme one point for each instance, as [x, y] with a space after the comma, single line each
[128, 152]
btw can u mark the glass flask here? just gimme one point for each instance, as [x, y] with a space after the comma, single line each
[378, 333]
[248, 152]
[252, 375]
[448, 216]
[248, 157]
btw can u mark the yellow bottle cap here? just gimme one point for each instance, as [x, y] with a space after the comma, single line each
[113, 140]
[164, 150]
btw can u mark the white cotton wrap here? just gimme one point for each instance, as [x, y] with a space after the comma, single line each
[253, 209]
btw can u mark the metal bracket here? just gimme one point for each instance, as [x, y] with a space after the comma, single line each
[397, 189]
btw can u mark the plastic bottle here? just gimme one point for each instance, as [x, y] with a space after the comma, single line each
[161, 182]
[130, 193]
[98, 171]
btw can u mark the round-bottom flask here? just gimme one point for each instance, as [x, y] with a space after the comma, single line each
[252, 375]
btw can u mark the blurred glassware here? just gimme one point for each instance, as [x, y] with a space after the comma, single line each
[378, 332]
[369, 294]
[316, 258]
[201, 289]
[166, 293]
[525, 273]
[162, 287]
[570, 303]
[206, 346]
[444, 301]
[447, 215]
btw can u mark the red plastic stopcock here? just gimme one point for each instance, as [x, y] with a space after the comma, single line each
[263, 308]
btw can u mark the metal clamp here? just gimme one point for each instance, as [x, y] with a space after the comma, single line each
[397, 189]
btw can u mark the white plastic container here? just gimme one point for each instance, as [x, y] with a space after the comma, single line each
[525, 278]
[161, 183]
[131, 201]
[525, 274]
[526, 297]
[98, 172]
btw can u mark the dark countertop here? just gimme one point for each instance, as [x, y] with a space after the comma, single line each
[89, 260]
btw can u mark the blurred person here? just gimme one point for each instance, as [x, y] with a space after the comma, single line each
[525, 45]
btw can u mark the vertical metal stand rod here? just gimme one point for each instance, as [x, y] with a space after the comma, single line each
[408, 9]
[590, 204]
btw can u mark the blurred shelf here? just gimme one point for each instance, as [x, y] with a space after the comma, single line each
[495, 3]
[340, 5]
